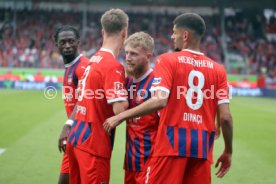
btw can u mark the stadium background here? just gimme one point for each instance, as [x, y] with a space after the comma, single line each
[241, 34]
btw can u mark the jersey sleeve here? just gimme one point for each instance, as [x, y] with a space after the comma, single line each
[114, 84]
[163, 75]
[223, 88]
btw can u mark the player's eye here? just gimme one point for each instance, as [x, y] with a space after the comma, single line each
[61, 42]
[134, 54]
[71, 41]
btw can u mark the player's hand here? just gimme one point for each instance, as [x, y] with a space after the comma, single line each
[225, 163]
[111, 123]
[63, 138]
[217, 133]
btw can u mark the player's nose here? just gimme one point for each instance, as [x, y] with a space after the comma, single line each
[172, 37]
[128, 62]
[128, 58]
[67, 45]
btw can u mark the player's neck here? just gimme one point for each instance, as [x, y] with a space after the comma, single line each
[194, 45]
[139, 74]
[114, 44]
[69, 59]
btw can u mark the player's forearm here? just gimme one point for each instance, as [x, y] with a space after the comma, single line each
[70, 120]
[227, 131]
[119, 107]
[218, 121]
[148, 107]
[72, 116]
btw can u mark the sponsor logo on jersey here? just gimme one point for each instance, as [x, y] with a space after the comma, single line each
[156, 81]
[81, 110]
[118, 72]
[70, 79]
[119, 88]
[68, 97]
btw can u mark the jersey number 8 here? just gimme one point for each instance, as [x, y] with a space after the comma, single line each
[195, 89]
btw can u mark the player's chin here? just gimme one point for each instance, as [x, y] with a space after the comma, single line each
[129, 68]
[129, 72]
[176, 49]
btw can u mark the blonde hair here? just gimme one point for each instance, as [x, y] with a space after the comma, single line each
[114, 21]
[141, 39]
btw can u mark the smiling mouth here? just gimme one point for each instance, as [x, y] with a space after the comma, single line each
[68, 52]
[129, 64]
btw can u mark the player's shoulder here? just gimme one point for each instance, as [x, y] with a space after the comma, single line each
[107, 65]
[84, 60]
[81, 66]
[165, 58]
[167, 55]
[216, 65]
[111, 64]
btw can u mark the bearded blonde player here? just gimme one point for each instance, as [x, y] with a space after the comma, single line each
[140, 131]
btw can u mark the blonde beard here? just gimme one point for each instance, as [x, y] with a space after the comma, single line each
[139, 71]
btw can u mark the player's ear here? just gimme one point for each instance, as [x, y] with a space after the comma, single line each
[102, 32]
[78, 41]
[124, 33]
[186, 35]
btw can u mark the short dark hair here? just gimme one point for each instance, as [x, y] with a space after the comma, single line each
[191, 21]
[66, 28]
[114, 20]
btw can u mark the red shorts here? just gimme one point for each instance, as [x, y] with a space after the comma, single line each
[179, 170]
[86, 168]
[132, 177]
[64, 169]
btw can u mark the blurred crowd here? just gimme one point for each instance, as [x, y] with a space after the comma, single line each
[29, 43]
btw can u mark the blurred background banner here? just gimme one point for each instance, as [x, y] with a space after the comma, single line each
[241, 35]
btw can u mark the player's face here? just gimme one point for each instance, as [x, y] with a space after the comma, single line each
[67, 43]
[137, 60]
[177, 38]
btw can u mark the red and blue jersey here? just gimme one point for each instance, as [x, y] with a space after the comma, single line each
[72, 75]
[196, 86]
[140, 131]
[102, 84]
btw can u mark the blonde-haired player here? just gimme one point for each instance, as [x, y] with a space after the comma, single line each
[141, 131]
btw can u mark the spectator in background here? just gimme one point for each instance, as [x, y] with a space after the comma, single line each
[32, 47]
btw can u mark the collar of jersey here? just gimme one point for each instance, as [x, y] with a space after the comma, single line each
[142, 77]
[107, 50]
[73, 62]
[192, 51]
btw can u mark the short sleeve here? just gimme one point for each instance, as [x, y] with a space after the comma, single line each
[223, 87]
[114, 84]
[163, 75]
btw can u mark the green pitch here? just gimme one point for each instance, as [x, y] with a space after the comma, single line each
[30, 126]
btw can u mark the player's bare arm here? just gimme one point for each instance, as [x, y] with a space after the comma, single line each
[65, 131]
[218, 127]
[119, 107]
[158, 101]
[225, 119]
